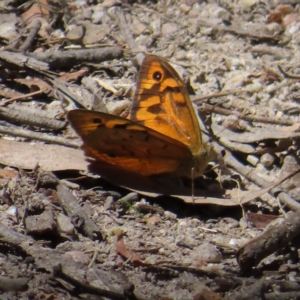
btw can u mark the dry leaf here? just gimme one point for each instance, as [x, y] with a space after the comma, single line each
[58, 158]
[128, 254]
[48, 157]
[35, 84]
[37, 10]
[207, 295]
[260, 220]
[6, 175]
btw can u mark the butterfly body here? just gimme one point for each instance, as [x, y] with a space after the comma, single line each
[162, 134]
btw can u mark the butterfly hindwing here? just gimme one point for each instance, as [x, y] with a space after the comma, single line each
[126, 143]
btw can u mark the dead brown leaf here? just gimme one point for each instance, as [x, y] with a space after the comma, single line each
[6, 175]
[128, 254]
[48, 157]
[260, 220]
[35, 84]
[72, 76]
[37, 10]
[207, 295]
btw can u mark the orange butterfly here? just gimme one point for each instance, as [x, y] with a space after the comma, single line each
[161, 136]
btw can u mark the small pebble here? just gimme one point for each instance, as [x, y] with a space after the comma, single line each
[12, 211]
[40, 224]
[248, 3]
[8, 31]
[268, 160]
[170, 215]
[253, 160]
[64, 224]
[76, 34]
[184, 8]
[206, 252]
[168, 29]
[295, 193]
[77, 256]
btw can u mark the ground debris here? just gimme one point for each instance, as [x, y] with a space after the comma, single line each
[67, 231]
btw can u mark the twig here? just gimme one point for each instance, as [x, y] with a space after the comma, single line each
[253, 118]
[52, 260]
[259, 181]
[272, 239]
[13, 59]
[288, 75]
[289, 201]
[95, 255]
[34, 29]
[74, 210]
[278, 52]
[26, 116]
[217, 95]
[16, 131]
[244, 33]
[43, 257]
[255, 290]
[127, 36]
[255, 134]
[87, 288]
[25, 96]
[71, 57]
[237, 147]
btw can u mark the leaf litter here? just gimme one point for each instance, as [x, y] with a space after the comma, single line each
[69, 232]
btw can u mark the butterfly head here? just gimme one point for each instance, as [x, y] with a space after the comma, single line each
[200, 160]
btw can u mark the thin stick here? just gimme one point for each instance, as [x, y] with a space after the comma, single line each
[23, 97]
[249, 117]
[14, 131]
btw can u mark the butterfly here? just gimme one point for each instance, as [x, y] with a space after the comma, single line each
[161, 136]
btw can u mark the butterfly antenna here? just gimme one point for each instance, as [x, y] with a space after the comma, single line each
[193, 183]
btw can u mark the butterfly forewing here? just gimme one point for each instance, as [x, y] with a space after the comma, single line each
[162, 103]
